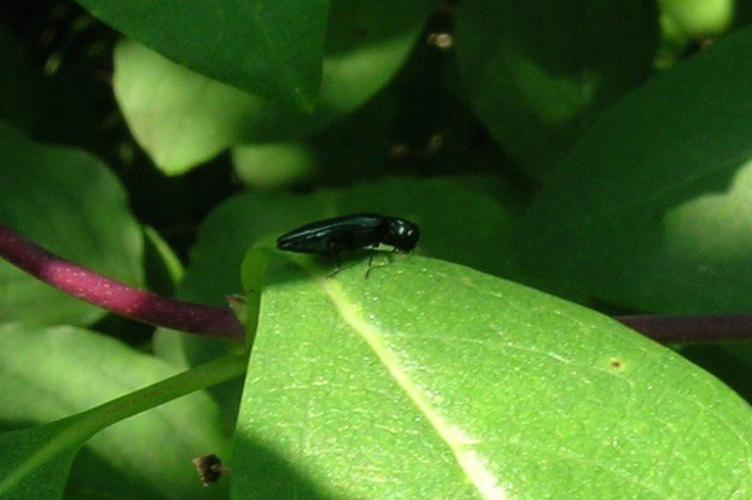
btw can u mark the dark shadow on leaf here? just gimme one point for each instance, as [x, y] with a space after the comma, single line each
[267, 474]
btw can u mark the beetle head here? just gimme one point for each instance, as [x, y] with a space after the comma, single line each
[401, 234]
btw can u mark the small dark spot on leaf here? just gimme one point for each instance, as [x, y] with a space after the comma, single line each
[616, 363]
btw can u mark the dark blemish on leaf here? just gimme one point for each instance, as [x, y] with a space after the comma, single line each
[616, 363]
[209, 468]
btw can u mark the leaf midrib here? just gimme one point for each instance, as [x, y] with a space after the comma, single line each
[470, 461]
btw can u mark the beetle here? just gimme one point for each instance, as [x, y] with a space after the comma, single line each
[339, 235]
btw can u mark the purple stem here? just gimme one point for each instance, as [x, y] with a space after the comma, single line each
[216, 322]
[115, 296]
[678, 329]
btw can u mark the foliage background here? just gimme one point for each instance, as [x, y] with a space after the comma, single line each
[595, 150]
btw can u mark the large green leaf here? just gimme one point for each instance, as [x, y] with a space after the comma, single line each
[49, 374]
[652, 209]
[273, 49]
[182, 118]
[68, 202]
[538, 73]
[431, 380]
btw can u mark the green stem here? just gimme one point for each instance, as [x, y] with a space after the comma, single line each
[212, 373]
[73, 431]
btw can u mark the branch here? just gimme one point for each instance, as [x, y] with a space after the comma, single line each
[208, 321]
[678, 329]
[117, 297]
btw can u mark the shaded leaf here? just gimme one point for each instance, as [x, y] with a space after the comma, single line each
[182, 118]
[164, 269]
[66, 201]
[652, 210]
[539, 73]
[431, 380]
[31, 467]
[146, 456]
[414, 126]
[270, 48]
[20, 86]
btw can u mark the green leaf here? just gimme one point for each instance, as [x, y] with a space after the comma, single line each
[66, 201]
[652, 210]
[273, 49]
[182, 118]
[273, 165]
[538, 73]
[700, 18]
[431, 380]
[35, 464]
[179, 117]
[164, 269]
[49, 374]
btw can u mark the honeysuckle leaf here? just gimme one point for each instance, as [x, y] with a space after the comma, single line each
[431, 380]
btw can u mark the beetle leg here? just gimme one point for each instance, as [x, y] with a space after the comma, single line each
[337, 269]
[333, 254]
[371, 265]
[337, 266]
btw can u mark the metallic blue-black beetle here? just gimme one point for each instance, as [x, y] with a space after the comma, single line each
[339, 235]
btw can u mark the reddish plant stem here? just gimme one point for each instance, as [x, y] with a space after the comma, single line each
[216, 322]
[115, 296]
[679, 329]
